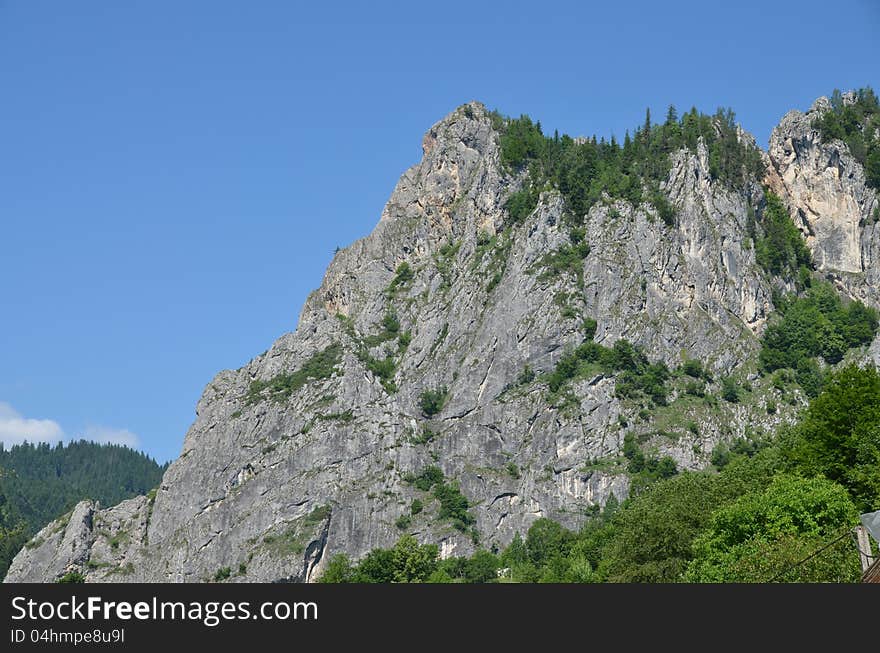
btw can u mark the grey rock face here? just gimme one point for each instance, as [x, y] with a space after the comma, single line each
[824, 187]
[694, 288]
[269, 486]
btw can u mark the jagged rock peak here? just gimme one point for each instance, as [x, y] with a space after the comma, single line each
[824, 187]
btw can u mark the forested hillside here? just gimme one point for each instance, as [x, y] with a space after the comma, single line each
[40, 482]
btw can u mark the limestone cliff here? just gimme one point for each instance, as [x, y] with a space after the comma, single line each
[824, 186]
[310, 448]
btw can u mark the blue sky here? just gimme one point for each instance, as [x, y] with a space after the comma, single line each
[174, 176]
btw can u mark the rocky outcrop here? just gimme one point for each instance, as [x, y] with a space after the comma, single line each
[311, 448]
[694, 288]
[824, 187]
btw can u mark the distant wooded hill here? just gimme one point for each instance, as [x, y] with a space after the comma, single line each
[39, 482]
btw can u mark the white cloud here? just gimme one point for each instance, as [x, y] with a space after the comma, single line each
[15, 429]
[107, 435]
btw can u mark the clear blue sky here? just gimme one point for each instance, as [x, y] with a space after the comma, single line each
[174, 176]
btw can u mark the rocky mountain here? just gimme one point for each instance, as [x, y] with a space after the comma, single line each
[433, 355]
[826, 189]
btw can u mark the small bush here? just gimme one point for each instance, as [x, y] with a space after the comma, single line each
[428, 477]
[425, 436]
[453, 505]
[432, 401]
[590, 325]
[566, 259]
[720, 456]
[729, 390]
[222, 574]
[695, 388]
[693, 368]
[403, 275]
[72, 577]
[390, 322]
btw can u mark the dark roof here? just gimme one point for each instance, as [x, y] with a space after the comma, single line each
[872, 573]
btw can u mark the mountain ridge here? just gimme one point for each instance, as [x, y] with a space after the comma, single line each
[415, 353]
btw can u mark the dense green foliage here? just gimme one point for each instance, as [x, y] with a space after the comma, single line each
[839, 436]
[454, 505]
[321, 365]
[411, 562]
[635, 374]
[586, 169]
[746, 540]
[14, 533]
[723, 453]
[858, 125]
[645, 469]
[778, 510]
[781, 250]
[650, 538]
[41, 482]
[817, 324]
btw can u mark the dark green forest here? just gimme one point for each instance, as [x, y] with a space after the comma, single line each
[41, 482]
[754, 517]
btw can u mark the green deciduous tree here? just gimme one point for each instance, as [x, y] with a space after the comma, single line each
[817, 324]
[338, 570]
[839, 436]
[652, 536]
[413, 562]
[761, 527]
